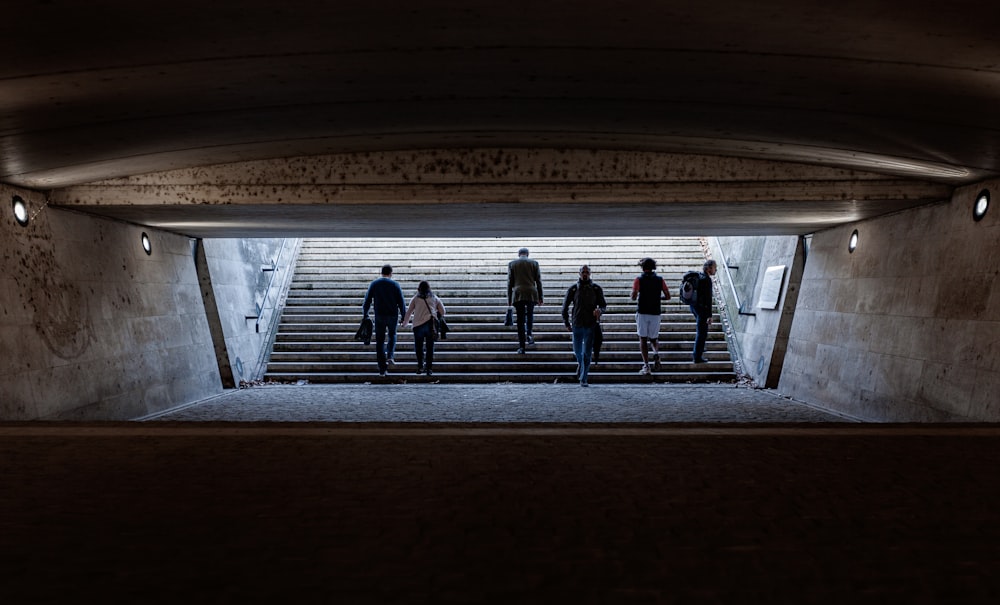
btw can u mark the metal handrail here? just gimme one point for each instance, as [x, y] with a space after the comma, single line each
[732, 286]
[262, 306]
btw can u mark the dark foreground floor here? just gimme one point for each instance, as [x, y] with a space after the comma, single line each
[322, 513]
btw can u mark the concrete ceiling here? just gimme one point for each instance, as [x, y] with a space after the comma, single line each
[903, 94]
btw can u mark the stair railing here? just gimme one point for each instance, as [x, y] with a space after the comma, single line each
[740, 305]
[261, 306]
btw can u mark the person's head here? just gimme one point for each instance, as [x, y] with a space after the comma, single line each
[386, 270]
[709, 267]
[522, 252]
[423, 289]
[648, 264]
[584, 273]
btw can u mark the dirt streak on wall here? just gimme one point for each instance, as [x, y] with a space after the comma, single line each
[91, 326]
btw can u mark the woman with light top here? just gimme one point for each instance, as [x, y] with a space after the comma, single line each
[424, 309]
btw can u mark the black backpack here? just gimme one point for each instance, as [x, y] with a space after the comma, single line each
[689, 287]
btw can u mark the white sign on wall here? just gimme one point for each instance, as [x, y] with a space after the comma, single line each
[770, 289]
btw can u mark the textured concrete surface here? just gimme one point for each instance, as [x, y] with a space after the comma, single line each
[91, 327]
[156, 89]
[447, 192]
[762, 333]
[503, 403]
[336, 513]
[244, 298]
[881, 334]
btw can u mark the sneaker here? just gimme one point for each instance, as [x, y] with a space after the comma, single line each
[531, 339]
[520, 351]
[420, 370]
[645, 370]
[702, 360]
[584, 383]
[656, 362]
[429, 372]
[391, 361]
[381, 372]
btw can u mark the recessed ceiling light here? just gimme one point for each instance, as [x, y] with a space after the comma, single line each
[20, 211]
[982, 205]
[146, 245]
[852, 244]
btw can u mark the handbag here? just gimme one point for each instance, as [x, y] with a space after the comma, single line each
[438, 325]
[508, 320]
[442, 327]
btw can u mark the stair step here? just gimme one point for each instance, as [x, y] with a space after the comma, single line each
[473, 348]
[314, 341]
[456, 355]
[500, 367]
[486, 378]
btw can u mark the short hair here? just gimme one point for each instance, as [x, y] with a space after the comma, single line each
[708, 263]
[522, 252]
[647, 264]
[386, 269]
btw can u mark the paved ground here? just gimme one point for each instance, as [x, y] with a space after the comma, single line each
[724, 496]
[504, 402]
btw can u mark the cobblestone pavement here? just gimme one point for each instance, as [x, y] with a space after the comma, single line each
[503, 402]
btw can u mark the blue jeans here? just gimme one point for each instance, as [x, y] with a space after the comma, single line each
[583, 346]
[424, 333]
[702, 332]
[383, 349]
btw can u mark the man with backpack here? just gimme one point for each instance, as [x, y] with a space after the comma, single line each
[587, 299]
[696, 291]
[648, 289]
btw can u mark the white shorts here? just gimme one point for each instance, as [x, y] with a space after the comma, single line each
[647, 325]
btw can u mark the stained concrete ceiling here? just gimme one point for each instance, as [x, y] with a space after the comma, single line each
[902, 94]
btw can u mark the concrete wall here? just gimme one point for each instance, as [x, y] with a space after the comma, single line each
[761, 334]
[240, 287]
[93, 328]
[907, 328]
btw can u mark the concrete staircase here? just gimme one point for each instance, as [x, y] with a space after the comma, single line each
[315, 338]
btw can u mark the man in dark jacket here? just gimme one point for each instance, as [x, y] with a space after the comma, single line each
[389, 310]
[702, 310]
[587, 299]
[524, 291]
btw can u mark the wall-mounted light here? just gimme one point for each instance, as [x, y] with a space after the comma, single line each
[20, 210]
[982, 205]
[852, 243]
[146, 245]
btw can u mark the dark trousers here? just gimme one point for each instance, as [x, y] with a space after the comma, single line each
[702, 332]
[383, 324]
[424, 335]
[525, 318]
